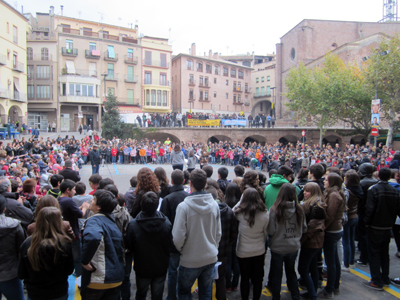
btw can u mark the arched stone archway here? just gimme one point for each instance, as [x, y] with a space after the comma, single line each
[288, 139]
[256, 138]
[14, 114]
[332, 139]
[162, 137]
[359, 139]
[261, 107]
[218, 138]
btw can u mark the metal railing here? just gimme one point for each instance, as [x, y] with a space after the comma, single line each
[259, 95]
[112, 76]
[81, 72]
[88, 54]
[19, 66]
[4, 93]
[108, 58]
[204, 85]
[69, 52]
[38, 56]
[157, 63]
[130, 59]
[128, 101]
[90, 33]
[43, 76]
[19, 96]
[131, 78]
[192, 82]
[157, 82]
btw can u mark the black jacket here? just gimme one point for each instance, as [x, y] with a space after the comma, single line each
[68, 173]
[16, 210]
[11, 237]
[229, 229]
[46, 284]
[383, 206]
[171, 202]
[365, 183]
[94, 157]
[150, 241]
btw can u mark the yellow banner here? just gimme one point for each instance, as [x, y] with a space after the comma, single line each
[195, 122]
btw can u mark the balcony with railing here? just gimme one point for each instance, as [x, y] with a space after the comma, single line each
[40, 76]
[192, 82]
[3, 59]
[128, 101]
[192, 98]
[260, 95]
[5, 93]
[111, 76]
[247, 90]
[80, 72]
[92, 54]
[37, 35]
[129, 59]
[108, 58]
[131, 78]
[156, 63]
[69, 52]
[90, 33]
[19, 67]
[237, 102]
[157, 82]
[70, 30]
[204, 99]
[204, 85]
[237, 89]
[40, 57]
[79, 99]
[19, 96]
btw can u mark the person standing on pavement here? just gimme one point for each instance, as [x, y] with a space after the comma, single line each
[382, 208]
[95, 159]
[177, 158]
[196, 235]
[168, 208]
[11, 237]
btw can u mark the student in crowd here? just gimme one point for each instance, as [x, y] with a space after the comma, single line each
[286, 225]
[253, 219]
[46, 258]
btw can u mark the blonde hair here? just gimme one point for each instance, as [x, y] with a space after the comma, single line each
[315, 198]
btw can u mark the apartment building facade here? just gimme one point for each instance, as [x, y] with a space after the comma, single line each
[13, 76]
[156, 75]
[209, 84]
[91, 59]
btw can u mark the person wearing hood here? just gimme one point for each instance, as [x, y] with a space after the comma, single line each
[168, 208]
[11, 237]
[287, 223]
[149, 238]
[352, 182]
[177, 158]
[196, 235]
[284, 175]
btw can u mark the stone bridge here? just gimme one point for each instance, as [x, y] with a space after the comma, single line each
[260, 135]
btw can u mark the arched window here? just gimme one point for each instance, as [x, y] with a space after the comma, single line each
[45, 54]
[29, 53]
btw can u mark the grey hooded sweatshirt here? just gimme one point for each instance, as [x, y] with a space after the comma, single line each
[285, 236]
[197, 230]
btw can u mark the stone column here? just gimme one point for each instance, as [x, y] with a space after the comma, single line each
[79, 110]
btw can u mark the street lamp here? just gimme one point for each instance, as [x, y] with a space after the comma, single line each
[273, 99]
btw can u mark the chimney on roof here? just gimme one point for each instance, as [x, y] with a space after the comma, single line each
[193, 50]
[216, 56]
[209, 54]
[136, 27]
[52, 10]
[62, 10]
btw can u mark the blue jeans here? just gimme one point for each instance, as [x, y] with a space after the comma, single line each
[156, 286]
[332, 260]
[308, 264]
[174, 259]
[187, 277]
[121, 159]
[114, 159]
[95, 170]
[276, 271]
[232, 268]
[84, 158]
[349, 247]
[12, 289]
[378, 255]
[126, 284]
[77, 255]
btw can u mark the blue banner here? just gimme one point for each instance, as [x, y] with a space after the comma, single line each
[234, 123]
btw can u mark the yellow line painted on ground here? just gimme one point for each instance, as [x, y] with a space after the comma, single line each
[387, 289]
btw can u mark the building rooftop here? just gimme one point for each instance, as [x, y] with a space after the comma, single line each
[221, 61]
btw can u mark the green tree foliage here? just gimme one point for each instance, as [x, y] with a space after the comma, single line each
[112, 125]
[384, 74]
[326, 94]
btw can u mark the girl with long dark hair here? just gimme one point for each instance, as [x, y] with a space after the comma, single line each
[163, 181]
[46, 258]
[286, 226]
[252, 216]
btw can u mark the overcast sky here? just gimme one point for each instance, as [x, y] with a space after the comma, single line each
[228, 27]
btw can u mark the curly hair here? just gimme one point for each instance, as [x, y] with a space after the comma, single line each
[147, 181]
[250, 179]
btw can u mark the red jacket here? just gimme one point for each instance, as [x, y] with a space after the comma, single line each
[114, 152]
[161, 152]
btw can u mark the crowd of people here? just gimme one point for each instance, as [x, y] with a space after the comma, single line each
[315, 200]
